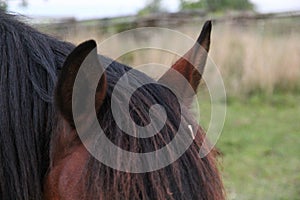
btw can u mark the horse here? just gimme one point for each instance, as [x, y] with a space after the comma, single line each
[76, 173]
[29, 66]
[42, 155]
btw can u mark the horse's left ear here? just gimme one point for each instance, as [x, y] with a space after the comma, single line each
[84, 53]
[191, 65]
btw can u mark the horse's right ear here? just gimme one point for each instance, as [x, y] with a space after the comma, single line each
[86, 51]
[190, 66]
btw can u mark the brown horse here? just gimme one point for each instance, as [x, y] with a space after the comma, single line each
[75, 173]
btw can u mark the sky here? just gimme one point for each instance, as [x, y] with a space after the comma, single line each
[87, 9]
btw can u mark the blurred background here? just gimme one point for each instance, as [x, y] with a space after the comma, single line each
[256, 46]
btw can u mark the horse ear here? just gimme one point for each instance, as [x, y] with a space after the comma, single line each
[87, 53]
[191, 65]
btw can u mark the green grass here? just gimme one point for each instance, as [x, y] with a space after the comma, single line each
[260, 144]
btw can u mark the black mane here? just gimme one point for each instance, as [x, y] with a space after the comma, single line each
[30, 62]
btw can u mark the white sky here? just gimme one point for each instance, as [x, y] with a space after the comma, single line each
[83, 9]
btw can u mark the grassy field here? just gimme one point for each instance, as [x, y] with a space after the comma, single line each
[260, 57]
[260, 143]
